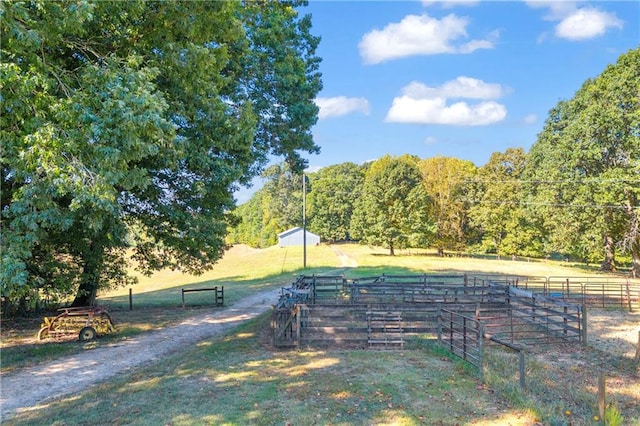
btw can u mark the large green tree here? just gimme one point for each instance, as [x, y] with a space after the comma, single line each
[335, 190]
[133, 123]
[499, 207]
[584, 169]
[393, 209]
[445, 180]
[283, 197]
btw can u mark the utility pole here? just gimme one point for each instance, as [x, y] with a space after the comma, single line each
[304, 221]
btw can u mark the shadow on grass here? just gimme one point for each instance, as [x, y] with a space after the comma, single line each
[240, 380]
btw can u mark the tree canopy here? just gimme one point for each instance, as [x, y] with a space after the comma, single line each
[334, 193]
[393, 209]
[445, 179]
[129, 125]
[584, 169]
[499, 209]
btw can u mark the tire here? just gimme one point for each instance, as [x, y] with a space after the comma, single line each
[87, 333]
[43, 333]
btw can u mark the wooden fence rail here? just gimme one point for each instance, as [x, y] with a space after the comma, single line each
[218, 294]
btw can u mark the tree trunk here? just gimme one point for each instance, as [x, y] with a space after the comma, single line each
[440, 252]
[391, 250]
[609, 263]
[633, 235]
[88, 289]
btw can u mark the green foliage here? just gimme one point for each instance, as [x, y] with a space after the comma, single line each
[254, 229]
[331, 195]
[612, 415]
[583, 171]
[271, 210]
[335, 191]
[283, 197]
[444, 179]
[498, 210]
[393, 210]
[145, 116]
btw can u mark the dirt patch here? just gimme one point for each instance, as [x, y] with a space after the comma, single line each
[612, 341]
[345, 260]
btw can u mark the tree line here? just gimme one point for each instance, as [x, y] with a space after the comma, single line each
[575, 193]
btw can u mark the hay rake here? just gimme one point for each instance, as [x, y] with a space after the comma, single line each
[85, 322]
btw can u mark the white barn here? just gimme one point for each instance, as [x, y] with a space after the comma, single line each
[295, 236]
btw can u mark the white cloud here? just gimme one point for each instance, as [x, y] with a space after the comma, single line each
[313, 169]
[557, 9]
[341, 105]
[421, 104]
[587, 23]
[419, 35]
[530, 119]
[461, 87]
[576, 23]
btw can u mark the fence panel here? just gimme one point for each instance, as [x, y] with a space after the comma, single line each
[462, 335]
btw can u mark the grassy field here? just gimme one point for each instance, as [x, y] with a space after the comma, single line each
[241, 379]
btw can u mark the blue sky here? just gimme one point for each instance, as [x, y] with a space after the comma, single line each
[457, 78]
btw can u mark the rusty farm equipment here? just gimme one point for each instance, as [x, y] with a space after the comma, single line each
[85, 322]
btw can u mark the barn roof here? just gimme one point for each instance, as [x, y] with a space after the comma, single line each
[292, 231]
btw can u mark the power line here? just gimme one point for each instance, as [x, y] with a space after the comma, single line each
[589, 180]
[577, 206]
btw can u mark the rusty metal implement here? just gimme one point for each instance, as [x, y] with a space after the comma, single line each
[85, 322]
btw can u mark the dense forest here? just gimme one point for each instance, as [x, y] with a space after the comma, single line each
[574, 194]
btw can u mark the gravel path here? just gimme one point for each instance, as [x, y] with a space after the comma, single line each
[41, 384]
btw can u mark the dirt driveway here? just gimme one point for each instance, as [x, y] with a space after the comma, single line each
[47, 382]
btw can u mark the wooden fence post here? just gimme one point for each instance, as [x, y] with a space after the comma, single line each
[601, 396]
[298, 312]
[439, 324]
[637, 358]
[481, 351]
[131, 299]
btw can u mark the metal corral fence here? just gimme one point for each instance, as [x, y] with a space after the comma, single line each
[423, 289]
[533, 319]
[382, 311]
[601, 292]
[462, 336]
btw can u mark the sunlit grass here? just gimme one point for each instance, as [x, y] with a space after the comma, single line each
[240, 264]
[420, 261]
